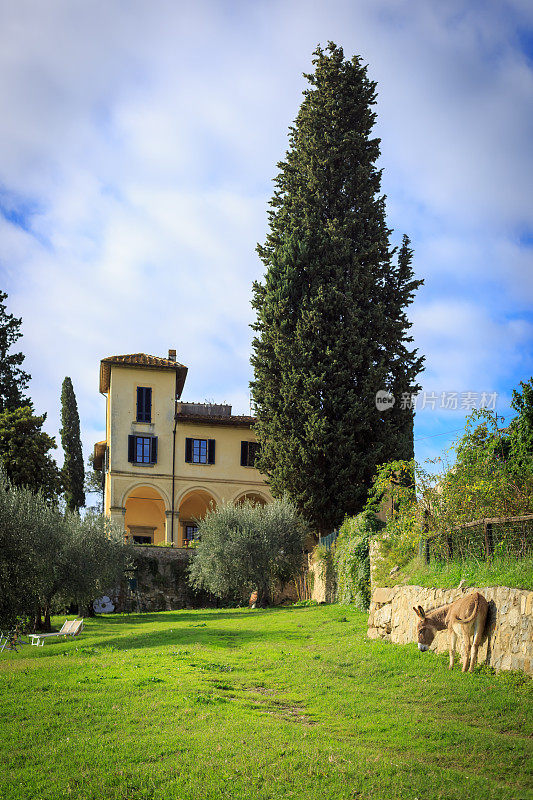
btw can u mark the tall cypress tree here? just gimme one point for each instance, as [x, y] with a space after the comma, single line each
[13, 379]
[331, 327]
[73, 470]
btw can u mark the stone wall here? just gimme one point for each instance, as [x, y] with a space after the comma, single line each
[508, 641]
[322, 577]
[161, 584]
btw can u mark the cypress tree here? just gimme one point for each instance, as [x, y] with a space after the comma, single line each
[73, 470]
[331, 327]
[13, 379]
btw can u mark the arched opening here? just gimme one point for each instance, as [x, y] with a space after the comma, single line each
[145, 516]
[193, 507]
[251, 497]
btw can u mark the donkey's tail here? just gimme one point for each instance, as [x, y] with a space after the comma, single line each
[473, 614]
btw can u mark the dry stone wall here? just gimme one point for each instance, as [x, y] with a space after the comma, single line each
[508, 640]
[160, 583]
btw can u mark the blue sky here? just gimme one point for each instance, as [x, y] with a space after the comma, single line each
[138, 142]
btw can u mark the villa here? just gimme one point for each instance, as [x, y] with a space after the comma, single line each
[166, 462]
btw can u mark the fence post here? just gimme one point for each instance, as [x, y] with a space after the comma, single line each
[489, 543]
[449, 543]
[423, 545]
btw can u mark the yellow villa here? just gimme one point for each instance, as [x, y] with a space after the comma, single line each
[166, 462]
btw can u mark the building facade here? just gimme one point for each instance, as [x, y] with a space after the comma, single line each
[166, 462]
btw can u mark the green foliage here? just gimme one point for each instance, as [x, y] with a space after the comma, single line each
[352, 558]
[73, 472]
[248, 547]
[13, 379]
[25, 452]
[489, 474]
[393, 490]
[46, 555]
[331, 327]
[94, 484]
[520, 431]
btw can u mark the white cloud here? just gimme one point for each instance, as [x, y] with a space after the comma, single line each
[143, 140]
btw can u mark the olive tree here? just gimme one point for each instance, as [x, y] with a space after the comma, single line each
[46, 555]
[248, 547]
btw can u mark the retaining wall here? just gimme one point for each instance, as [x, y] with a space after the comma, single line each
[508, 640]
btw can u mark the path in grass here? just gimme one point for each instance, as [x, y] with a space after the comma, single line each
[280, 703]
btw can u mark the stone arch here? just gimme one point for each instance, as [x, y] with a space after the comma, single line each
[145, 519]
[165, 497]
[192, 506]
[253, 497]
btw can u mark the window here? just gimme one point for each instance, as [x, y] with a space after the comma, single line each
[200, 451]
[142, 449]
[144, 404]
[191, 532]
[249, 452]
[142, 534]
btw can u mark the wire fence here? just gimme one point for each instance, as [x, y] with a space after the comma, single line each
[327, 541]
[482, 539]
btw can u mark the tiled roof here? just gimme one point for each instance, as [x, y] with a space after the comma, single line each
[142, 361]
[211, 419]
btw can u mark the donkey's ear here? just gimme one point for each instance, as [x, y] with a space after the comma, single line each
[419, 611]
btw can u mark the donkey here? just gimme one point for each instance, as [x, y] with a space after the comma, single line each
[465, 616]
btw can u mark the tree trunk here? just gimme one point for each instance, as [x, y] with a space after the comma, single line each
[263, 596]
[47, 624]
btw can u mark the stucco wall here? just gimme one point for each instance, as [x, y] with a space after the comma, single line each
[508, 641]
[225, 480]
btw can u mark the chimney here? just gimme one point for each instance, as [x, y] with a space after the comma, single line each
[171, 355]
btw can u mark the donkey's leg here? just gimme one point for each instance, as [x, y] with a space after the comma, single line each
[478, 635]
[466, 648]
[452, 641]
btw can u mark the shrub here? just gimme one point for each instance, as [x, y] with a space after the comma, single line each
[352, 558]
[248, 547]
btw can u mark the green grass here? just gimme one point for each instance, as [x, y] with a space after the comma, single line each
[256, 705]
[499, 571]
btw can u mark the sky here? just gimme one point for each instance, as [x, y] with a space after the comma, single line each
[138, 143]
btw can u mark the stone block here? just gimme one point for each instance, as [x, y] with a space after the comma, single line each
[382, 595]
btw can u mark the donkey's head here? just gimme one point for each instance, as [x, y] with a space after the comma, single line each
[425, 630]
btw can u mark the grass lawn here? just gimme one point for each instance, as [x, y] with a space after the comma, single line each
[499, 571]
[280, 703]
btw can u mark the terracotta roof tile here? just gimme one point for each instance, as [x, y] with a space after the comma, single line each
[141, 360]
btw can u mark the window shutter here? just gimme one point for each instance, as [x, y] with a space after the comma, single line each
[244, 454]
[188, 450]
[254, 452]
[131, 447]
[139, 403]
[148, 406]
[153, 450]
[210, 451]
